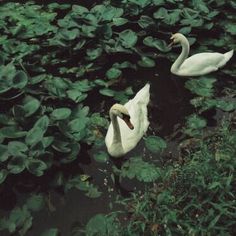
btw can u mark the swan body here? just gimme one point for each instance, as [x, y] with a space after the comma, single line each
[129, 123]
[198, 64]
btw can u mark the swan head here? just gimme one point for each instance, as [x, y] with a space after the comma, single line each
[176, 38]
[120, 111]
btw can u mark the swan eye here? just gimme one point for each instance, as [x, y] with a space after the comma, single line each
[125, 117]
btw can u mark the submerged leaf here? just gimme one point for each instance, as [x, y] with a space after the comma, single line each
[146, 62]
[155, 144]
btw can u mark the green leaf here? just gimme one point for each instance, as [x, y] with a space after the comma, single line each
[20, 80]
[145, 21]
[155, 144]
[30, 105]
[146, 62]
[36, 167]
[128, 38]
[101, 156]
[107, 92]
[202, 87]
[156, 43]
[225, 105]
[230, 27]
[4, 154]
[35, 202]
[51, 232]
[76, 95]
[80, 10]
[16, 165]
[36, 133]
[12, 132]
[3, 176]
[162, 13]
[61, 113]
[113, 73]
[97, 226]
[200, 5]
[93, 53]
[16, 148]
[135, 167]
[196, 122]
[118, 21]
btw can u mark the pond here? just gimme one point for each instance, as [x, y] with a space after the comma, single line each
[62, 67]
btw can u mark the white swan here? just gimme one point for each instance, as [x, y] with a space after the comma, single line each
[198, 64]
[120, 139]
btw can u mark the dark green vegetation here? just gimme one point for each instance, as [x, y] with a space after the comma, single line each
[63, 65]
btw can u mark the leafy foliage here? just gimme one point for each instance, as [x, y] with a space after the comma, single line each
[103, 225]
[135, 167]
[54, 57]
[196, 196]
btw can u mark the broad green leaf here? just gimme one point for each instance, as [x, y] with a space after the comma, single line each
[80, 10]
[145, 21]
[30, 105]
[155, 144]
[107, 92]
[61, 146]
[101, 156]
[202, 87]
[146, 62]
[200, 5]
[36, 167]
[230, 27]
[4, 154]
[93, 54]
[128, 38]
[113, 73]
[35, 202]
[118, 21]
[61, 113]
[16, 148]
[76, 95]
[93, 192]
[12, 132]
[16, 165]
[162, 13]
[20, 80]
[135, 167]
[157, 43]
[196, 122]
[36, 133]
[74, 148]
[96, 225]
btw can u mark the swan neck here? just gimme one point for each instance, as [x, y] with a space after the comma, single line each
[116, 128]
[183, 55]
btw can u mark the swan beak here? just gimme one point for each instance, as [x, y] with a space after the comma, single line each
[129, 124]
[171, 44]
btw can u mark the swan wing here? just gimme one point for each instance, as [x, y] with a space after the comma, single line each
[202, 63]
[137, 108]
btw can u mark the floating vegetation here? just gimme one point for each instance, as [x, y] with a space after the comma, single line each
[62, 66]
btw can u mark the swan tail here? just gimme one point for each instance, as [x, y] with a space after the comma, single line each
[143, 96]
[227, 56]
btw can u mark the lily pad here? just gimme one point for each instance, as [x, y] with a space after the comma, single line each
[155, 144]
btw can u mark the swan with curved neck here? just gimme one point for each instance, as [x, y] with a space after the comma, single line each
[198, 64]
[129, 123]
